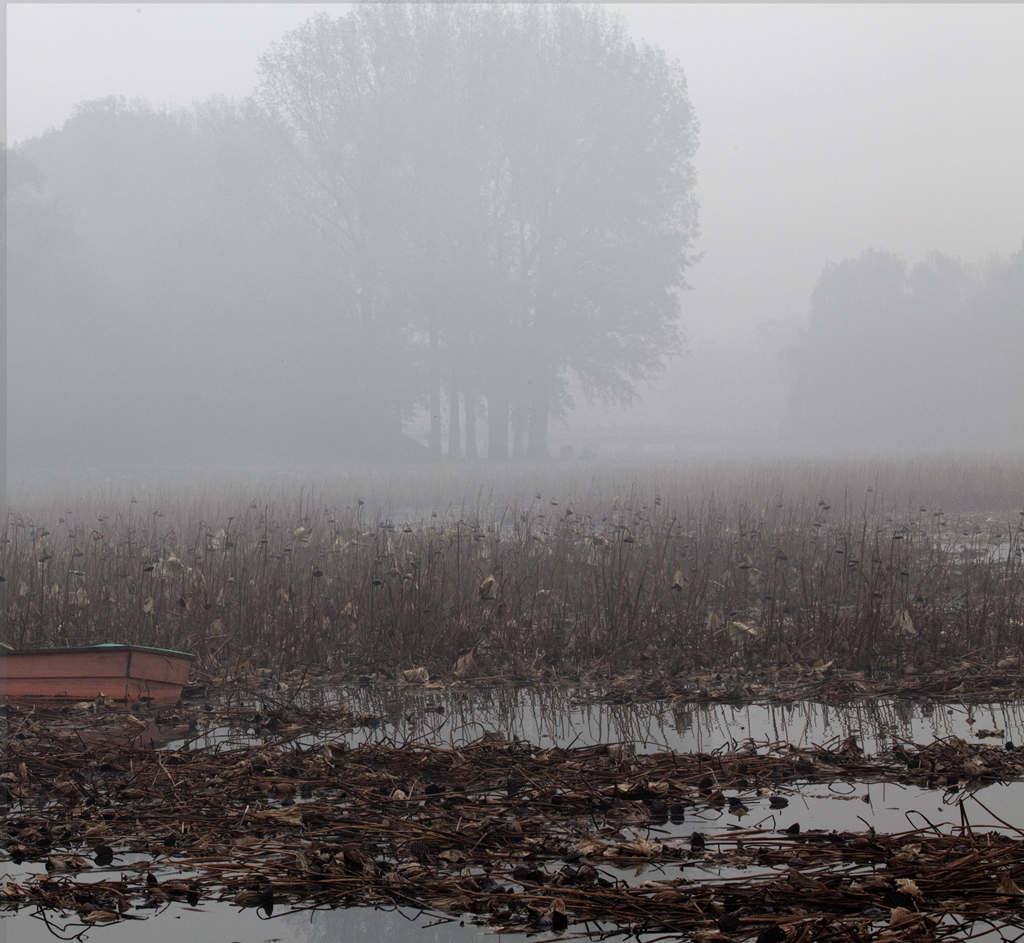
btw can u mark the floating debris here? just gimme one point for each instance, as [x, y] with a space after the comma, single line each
[516, 836]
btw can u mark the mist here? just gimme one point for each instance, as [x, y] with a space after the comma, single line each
[467, 234]
[512, 469]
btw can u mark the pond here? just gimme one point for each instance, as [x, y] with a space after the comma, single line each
[550, 715]
[565, 717]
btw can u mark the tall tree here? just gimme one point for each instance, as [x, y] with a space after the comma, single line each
[919, 356]
[192, 303]
[343, 89]
[51, 316]
[600, 156]
[511, 192]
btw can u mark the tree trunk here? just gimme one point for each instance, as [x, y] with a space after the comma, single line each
[497, 427]
[539, 419]
[454, 426]
[519, 420]
[469, 406]
[435, 395]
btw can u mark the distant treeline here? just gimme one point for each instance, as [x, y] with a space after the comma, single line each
[458, 211]
[923, 356]
[463, 209]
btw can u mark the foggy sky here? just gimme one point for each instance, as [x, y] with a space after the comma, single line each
[825, 129]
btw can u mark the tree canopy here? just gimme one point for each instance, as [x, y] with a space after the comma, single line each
[460, 208]
[919, 356]
[510, 193]
[152, 304]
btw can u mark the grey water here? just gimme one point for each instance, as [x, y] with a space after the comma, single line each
[555, 716]
[560, 717]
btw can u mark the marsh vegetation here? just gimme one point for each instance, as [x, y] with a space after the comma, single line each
[544, 573]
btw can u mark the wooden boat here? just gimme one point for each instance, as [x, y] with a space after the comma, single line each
[122, 672]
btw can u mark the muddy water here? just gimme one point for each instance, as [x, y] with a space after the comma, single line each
[559, 717]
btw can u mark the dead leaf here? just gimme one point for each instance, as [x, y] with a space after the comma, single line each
[909, 887]
[466, 665]
[287, 816]
[589, 846]
[641, 848]
[67, 863]
[901, 916]
[904, 624]
[489, 588]
[100, 917]
[740, 630]
[973, 767]
[1008, 886]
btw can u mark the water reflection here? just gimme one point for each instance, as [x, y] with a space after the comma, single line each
[221, 923]
[566, 717]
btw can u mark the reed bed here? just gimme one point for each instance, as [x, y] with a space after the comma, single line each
[550, 572]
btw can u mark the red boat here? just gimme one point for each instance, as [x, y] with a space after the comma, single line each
[121, 672]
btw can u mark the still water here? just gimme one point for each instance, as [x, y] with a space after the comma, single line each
[565, 717]
[219, 923]
[560, 717]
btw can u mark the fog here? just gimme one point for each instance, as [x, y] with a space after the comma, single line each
[274, 236]
[418, 419]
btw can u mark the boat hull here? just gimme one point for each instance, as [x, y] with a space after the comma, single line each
[122, 672]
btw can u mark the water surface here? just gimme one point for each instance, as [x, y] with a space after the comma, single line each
[554, 716]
